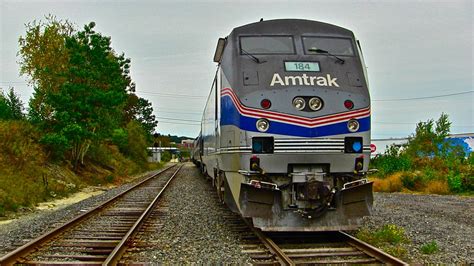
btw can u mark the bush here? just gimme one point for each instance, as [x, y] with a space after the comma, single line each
[392, 161]
[428, 163]
[166, 156]
[412, 181]
[391, 183]
[137, 143]
[429, 248]
[439, 187]
[120, 139]
[455, 182]
[19, 146]
[109, 157]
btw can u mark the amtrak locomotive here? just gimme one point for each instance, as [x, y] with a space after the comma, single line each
[285, 134]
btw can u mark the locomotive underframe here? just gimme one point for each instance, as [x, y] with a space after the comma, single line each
[279, 209]
[304, 196]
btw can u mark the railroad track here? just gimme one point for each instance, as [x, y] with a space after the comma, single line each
[101, 235]
[311, 248]
[304, 248]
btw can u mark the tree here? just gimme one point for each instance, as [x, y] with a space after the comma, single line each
[137, 142]
[86, 103]
[88, 106]
[429, 138]
[43, 54]
[141, 110]
[11, 107]
[5, 112]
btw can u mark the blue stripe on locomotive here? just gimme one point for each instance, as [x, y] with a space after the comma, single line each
[231, 116]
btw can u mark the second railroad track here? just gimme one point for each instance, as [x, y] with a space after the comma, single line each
[101, 235]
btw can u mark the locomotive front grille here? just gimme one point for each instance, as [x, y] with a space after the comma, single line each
[309, 145]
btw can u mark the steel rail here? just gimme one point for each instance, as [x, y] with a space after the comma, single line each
[13, 256]
[372, 251]
[116, 254]
[272, 247]
[365, 248]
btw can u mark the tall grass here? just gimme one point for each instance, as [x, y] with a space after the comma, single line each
[21, 166]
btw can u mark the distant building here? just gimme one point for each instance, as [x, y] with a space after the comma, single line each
[465, 140]
[187, 143]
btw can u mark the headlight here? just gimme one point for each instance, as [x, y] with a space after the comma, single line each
[263, 125]
[299, 103]
[353, 125]
[315, 103]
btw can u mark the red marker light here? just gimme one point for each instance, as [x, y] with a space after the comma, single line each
[266, 103]
[348, 104]
[373, 148]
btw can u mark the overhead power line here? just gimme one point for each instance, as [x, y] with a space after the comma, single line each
[13, 82]
[426, 97]
[176, 119]
[178, 123]
[171, 112]
[171, 94]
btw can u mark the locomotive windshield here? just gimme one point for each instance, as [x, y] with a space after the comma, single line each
[267, 45]
[335, 46]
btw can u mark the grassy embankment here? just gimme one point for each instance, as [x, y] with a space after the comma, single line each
[28, 176]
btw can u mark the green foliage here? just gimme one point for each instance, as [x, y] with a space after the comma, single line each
[428, 162]
[455, 182]
[78, 109]
[166, 156]
[140, 110]
[55, 144]
[391, 233]
[430, 247]
[22, 162]
[411, 181]
[109, 157]
[84, 104]
[120, 139]
[11, 107]
[137, 143]
[392, 161]
[18, 145]
[43, 56]
[389, 237]
[429, 136]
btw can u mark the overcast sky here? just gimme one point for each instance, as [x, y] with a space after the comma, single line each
[412, 50]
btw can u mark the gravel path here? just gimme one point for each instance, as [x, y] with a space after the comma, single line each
[448, 220]
[195, 232]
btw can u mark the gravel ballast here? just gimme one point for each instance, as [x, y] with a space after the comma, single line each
[195, 232]
[445, 219]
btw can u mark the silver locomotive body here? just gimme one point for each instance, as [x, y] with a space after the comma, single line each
[285, 134]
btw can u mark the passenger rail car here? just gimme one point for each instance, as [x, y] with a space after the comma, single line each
[285, 134]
